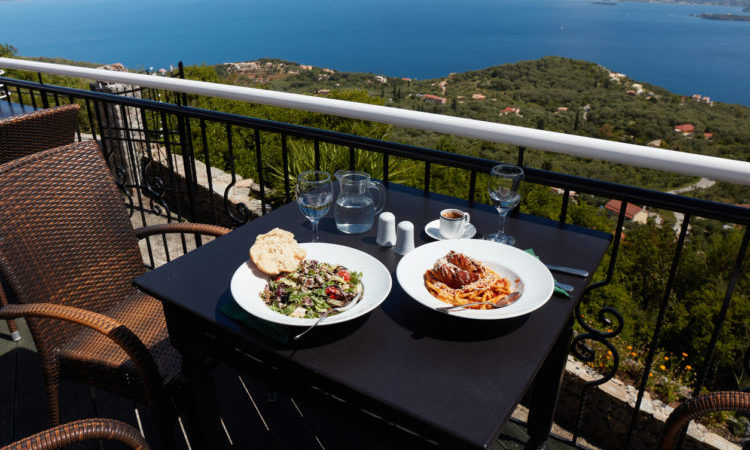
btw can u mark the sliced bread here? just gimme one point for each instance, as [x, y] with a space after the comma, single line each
[276, 252]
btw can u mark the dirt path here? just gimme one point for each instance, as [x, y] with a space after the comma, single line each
[703, 183]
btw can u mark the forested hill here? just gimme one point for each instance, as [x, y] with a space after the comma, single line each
[551, 93]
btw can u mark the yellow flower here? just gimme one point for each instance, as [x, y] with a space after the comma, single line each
[663, 367]
[684, 354]
[629, 347]
[609, 330]
[609, 352]
[633, 354]
[650, 374]
[688, 367]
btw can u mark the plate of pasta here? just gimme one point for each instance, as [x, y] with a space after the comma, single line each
[455, 272]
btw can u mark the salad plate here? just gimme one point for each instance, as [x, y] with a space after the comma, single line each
[248, 283]
[524, 271]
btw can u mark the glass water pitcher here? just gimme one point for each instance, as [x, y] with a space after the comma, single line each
[356, 205]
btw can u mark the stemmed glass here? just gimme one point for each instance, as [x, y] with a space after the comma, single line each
[314, 195]
[503, 187]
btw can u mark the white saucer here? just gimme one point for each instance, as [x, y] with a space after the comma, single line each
[433, 230]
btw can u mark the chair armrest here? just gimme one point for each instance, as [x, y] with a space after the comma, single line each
[117, 332]
[698, 406]
[79, 431]
[181, 227]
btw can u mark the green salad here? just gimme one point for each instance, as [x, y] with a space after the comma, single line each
[314, 288]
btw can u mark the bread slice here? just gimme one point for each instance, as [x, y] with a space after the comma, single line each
[276, 252]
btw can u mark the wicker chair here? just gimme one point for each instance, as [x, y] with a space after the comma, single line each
[79, 431]
[29, 133]
[698, 406]
[68, 253]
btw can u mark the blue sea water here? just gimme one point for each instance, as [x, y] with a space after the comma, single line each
[656, 43]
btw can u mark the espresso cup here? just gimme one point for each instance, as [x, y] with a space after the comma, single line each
[453, 223]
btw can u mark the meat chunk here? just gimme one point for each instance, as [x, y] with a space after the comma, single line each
[464, 262]
[456, 270]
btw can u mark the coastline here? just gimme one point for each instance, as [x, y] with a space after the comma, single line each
[728, 3]
[727, 17]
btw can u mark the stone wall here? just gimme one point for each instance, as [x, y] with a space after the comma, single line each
[609, 409]
[209, 201]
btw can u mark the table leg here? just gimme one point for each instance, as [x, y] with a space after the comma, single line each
[546, 389]
[198, 397]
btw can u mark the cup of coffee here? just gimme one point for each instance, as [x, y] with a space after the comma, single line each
[453, 223]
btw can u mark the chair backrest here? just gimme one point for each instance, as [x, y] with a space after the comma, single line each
[29, 133]
[65, 234]
[698, 406]
[79, 431]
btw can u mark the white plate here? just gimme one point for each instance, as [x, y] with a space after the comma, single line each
[433, 230]
[535, 280]
[248, 282]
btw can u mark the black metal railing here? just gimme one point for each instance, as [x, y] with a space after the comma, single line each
[158, 151]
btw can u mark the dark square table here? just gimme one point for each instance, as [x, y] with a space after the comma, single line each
[451, 380]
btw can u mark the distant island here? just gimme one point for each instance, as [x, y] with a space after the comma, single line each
[741, 3]
[605, 3]
[732, 17]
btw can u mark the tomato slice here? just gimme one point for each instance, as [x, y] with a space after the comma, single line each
[344, 274]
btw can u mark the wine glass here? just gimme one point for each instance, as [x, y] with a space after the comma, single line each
[503, 187]
[314, 195]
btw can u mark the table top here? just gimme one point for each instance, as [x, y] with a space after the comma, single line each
[459, 376]
[13, 109]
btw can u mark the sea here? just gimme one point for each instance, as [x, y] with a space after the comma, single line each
[658, 43]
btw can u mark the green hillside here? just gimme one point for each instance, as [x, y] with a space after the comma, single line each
[595, 105]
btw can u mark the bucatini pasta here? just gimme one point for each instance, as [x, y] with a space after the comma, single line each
[459, 279]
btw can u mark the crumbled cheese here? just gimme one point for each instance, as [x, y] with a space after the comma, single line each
[298, 312]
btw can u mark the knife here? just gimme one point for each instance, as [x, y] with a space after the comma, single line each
[568, 270]
[565, 287]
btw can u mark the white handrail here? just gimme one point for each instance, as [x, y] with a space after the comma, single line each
[720, 169]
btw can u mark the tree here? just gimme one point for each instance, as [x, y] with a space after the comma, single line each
[7, 51]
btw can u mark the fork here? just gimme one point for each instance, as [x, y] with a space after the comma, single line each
[496, 304]
[326, 313]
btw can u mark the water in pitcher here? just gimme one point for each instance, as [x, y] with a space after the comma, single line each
[354, 214]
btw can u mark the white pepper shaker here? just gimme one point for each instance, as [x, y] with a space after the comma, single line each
[386, 230]
[405, 238]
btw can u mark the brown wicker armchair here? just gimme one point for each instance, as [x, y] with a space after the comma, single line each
[698, 406]
[79, 431]
[29, 133]
[69, 254]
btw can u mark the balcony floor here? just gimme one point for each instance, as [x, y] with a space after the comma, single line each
[251, 419]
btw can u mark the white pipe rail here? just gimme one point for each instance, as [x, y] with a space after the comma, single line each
[720, 169]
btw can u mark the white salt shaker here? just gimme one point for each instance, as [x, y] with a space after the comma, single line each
[405, 238]
[386, 230]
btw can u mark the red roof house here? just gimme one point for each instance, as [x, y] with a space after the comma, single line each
[434, 98]
[509, 110]
[687, 129]
[632, 212]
